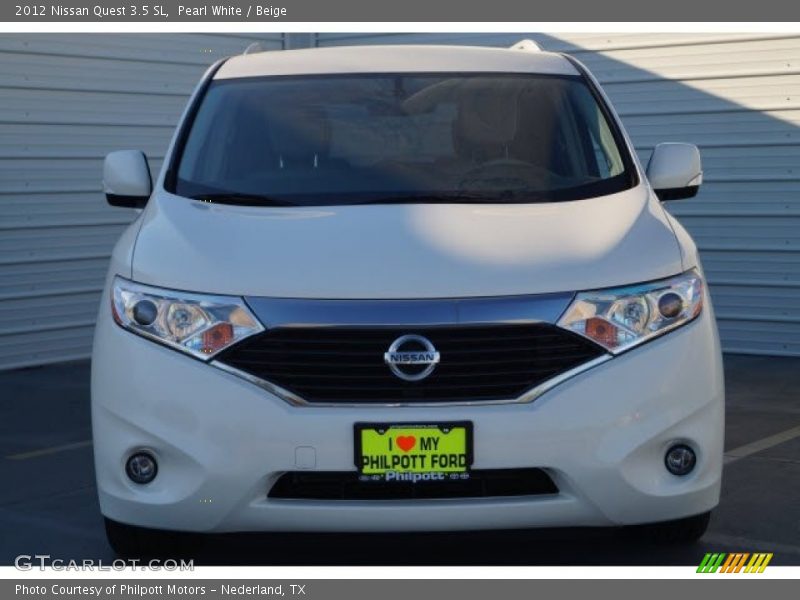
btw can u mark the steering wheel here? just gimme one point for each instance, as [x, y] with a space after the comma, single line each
[507, 172]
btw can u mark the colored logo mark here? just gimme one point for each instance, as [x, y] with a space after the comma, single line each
[735, 562]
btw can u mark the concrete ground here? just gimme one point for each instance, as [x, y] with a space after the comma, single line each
[48, 503]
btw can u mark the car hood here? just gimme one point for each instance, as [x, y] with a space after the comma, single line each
[405, 250]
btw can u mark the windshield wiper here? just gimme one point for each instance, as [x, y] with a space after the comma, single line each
[458, 198]
[240, 199]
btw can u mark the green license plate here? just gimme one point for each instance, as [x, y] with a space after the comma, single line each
[393, 452]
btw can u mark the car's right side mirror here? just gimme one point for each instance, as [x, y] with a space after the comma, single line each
[675, 171]
[126, 179]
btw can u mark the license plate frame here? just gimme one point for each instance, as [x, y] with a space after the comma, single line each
[417, 427]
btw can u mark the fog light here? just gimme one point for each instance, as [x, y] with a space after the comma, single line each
[141, 468]
[680, 460]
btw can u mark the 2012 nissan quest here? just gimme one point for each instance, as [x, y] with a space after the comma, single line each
[404, 288]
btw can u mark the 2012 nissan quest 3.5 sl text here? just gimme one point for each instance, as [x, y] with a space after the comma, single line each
[404, 288]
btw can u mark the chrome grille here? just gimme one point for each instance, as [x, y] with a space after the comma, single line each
[346, 364]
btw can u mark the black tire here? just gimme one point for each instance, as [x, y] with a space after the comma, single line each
[680, 531]
[129, 541]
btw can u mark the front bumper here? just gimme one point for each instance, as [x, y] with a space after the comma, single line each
[221, 442]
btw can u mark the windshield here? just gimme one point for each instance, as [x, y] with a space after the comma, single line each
[325, 140]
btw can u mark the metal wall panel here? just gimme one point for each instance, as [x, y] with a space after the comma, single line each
[737, 96]
[65, 101]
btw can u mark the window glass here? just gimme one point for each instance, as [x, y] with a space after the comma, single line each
[320, 140]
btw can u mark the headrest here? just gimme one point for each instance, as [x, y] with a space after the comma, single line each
[487, 121]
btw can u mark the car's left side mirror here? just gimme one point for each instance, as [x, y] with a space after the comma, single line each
[675, 171]
[126, 179]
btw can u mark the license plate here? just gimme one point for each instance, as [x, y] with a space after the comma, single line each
[413, 451]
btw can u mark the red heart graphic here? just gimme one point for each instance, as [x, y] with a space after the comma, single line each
[406, 442]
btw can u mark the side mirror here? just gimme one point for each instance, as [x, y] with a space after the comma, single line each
[126, 179]
[675, 171]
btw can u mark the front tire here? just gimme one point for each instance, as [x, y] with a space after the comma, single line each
[680, 531]
[129, 541]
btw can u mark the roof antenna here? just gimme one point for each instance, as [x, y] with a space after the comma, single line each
[526, 46]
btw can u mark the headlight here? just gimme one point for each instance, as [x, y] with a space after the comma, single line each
[197, 324]
[621, 318]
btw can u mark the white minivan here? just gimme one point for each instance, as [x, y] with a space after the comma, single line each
[404, 288]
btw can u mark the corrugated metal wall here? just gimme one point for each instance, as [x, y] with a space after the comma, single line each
[65, 101]
[737, 96]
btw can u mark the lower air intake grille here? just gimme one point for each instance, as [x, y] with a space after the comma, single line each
[345, 485]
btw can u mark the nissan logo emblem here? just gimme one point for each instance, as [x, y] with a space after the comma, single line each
[410, 352]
